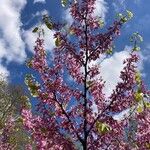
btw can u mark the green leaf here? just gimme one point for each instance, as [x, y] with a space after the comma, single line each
[131, 39]
[33, 87]
[147, 145]
[35, 29]
[147, 104]
[24, 98]
[138, 77]
[119, 15]
[139, 108]
[29, 63]
[71, 31]
[124, 19]
[34, 93]
[129, 14]
[57, 42]
[89, 83]
[28, 105]
[102, 127]
[49, 25]
[136, 48]
[136, 37]
[138, 96]
[64, 3]
[109, 51]
[140, 38]
[20, 120]
[101, 23]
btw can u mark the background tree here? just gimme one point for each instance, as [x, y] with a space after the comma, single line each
[12, 99]
[66, 107]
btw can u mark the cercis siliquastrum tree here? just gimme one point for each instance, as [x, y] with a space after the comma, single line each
[70, 85]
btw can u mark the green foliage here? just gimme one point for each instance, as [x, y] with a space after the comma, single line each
[138, 96]
[147, 104]
[47, 21]
[26, 102]
[136, 37]
[49, 25]
[11, 102]
[148, 146]
[35, 29]
[129, 14]
[109, 51]
[136, 48]
[101, 23]
[140, 108]
[29, 63]
[102, 127]
[57, 42]
[33, 85]
[125, 18]
[64, 3]
[138, 78]
[18, 136]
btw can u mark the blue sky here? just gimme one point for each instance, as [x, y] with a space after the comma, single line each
[19, 17]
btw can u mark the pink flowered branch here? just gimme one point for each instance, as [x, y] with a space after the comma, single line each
[56, 127]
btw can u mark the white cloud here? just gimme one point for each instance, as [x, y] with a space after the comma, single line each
[100, 8]
[4, 71]
[111, 68]
[39, 1]
[40, 13]
[12, 47]
[122, 5]
[68, 16]
[146, 53]
[30, 38]
[100, 11]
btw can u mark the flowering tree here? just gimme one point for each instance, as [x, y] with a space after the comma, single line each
[12, 133]
[65, 117]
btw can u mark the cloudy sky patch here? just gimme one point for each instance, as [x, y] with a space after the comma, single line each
[39, 1]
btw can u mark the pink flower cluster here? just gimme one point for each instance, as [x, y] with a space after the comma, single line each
[65, 117]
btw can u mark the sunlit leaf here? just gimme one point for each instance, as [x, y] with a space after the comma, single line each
[49, 25]
[136, 37]
[119, 15]
[129, 14]
[140, 38]
[64, 3]
[71, 32]
[139, 108]
[101, 23]
[89, 83]
[102, 127]
[35, 29]
[148, 146]
[24, 98]
[29, 63]
[124, 19]
[138, 77]
[57, 42]
[147, 104]
[109, 51]
[138, 96]
[136, 48]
